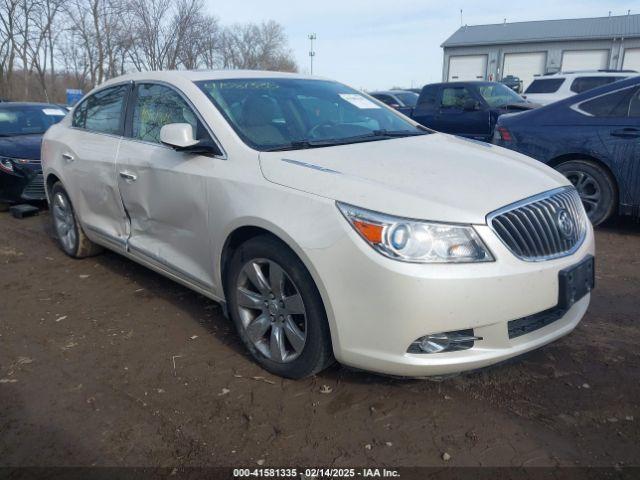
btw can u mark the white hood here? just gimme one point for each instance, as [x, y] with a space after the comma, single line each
[431, 177]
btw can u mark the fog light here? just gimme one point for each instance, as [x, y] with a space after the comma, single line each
[434, 343]
[444, 342]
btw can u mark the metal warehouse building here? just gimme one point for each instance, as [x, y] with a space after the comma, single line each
[531, 49]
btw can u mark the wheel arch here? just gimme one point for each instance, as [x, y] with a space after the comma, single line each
[51, 180]
[581, 156]
[241, 233]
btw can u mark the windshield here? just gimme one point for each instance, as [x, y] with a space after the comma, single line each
[286, 114]
[498, 95]
[28, 119]
[410, 99]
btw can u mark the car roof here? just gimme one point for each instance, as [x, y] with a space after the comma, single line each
[198, 75]
[390, 92]
[590, 73]
[29, 104]
[463, 83]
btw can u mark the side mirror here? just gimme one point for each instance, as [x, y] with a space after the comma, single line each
[470, 105]
[179, 136]
[395, 106]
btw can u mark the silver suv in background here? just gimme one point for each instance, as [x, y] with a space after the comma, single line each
[551, 88]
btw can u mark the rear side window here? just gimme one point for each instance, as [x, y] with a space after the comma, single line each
[428, 98]
[612, 105]
[455, 97]
[102, 111]
[582, 84]
[545, 85]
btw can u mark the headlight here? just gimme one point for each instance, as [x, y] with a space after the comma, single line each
[6, 164]
[416, 241]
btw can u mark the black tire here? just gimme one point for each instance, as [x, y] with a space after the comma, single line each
[596, 188]
[317, 353]
[81, 246]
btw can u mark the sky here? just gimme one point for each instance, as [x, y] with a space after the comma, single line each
[379, 44]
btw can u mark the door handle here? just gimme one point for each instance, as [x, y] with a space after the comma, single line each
[129, 177]
[68, 157]
[626, 133]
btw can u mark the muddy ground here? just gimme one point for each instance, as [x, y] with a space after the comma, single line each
[103, 362]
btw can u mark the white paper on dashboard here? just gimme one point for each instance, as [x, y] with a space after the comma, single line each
[358, 100]
[53, 111]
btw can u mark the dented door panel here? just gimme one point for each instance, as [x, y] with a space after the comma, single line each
[90, 166]
[165, 196]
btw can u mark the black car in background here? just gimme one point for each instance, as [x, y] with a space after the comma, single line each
[402, 100]
[468, 109]
[592, 138]
[21, 128]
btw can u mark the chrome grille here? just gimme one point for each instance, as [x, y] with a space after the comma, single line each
[34, 189]
[539, 227]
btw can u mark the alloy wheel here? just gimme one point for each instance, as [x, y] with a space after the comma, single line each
[64, 222]
[588, 188]
[271, 310]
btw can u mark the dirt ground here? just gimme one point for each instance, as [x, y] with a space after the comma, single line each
[103, 362]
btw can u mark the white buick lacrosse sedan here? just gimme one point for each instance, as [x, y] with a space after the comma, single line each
[327, 224]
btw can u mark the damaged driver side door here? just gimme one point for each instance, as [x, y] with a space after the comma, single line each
[165, 192]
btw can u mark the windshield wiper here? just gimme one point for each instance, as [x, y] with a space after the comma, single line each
[369, 137]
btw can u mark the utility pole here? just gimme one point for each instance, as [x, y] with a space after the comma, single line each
[312, 54]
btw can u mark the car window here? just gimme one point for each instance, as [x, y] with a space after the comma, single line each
[634, 106]
[545, 85]
[612, 105]
[282, 113]
[455, 97]
[28, 119]
[158, 105]
[410, 99]
[498, 95]
[582, 84]
[386, 99]
[102, 111]
[428, 98]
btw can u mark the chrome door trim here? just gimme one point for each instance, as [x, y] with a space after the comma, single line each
[119, 243]
[164, 265]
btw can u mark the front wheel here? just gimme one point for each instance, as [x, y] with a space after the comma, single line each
[277, 309]
[595, 186]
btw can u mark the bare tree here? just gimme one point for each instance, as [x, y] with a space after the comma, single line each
[47, 45]
[256, 46]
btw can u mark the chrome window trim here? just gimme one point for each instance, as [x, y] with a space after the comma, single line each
[528, 201]
[190, 104]
[91, 94]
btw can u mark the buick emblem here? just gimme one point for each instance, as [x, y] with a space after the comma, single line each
[565, 223]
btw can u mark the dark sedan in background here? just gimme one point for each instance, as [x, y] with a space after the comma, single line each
[402, 100]
[592, 138]
[468, 109]
[21, 128]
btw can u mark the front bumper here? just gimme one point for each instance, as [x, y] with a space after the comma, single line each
[25, 183]
[378, 306]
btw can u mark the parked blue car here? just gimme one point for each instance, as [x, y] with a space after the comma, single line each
[468, 109]
[22, 125]
[593, 139]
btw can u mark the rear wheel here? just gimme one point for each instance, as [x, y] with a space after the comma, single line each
[277, 309]
[69, 233]
[595, 186]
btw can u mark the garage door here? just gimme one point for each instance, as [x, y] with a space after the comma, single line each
[573, 60]
[631, 59]
[526, 66]
[467, 67]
